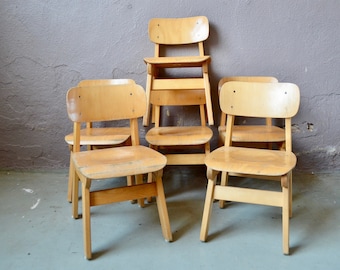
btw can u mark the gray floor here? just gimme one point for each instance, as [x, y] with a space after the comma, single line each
[37, 231]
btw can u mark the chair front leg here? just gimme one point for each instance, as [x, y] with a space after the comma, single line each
[161, 206]
[285, 216]
[86, 183]
[209, 198]
[70, 178]
[75, 195]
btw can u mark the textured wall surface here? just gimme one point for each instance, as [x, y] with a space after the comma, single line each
[48, 46]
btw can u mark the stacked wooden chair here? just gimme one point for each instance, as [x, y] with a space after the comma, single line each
[168, 85]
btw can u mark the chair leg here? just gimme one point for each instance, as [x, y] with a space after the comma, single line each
[70, 181]
[147, 91]
[208, 94]
[285, 219]
[162, 208]
[131, 182]
[139, 180]
[224, 182]
[290, 187]
[207, 209]
[86, 218]
[75, 189]
[149, 199]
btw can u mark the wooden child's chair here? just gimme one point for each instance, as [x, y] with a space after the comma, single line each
[110, 103]
[182, 143]
[98, 137]
[177, 34]
[253, 99]
[261, 135]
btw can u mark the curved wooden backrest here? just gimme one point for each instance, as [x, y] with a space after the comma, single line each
[105, 82]
[178, 31]
[254, 99]
[105, 103]
[268, 79]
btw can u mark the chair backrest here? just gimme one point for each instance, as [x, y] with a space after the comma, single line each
[267, 79]
[93, 82]
[179, 31]
[178, 98]
[254, 99]
[106, 103]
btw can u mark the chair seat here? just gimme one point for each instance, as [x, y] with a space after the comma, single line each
[171, 136]
[179, 61]
[118, 162]
[101, 136]
[251, 161]
[256, 133]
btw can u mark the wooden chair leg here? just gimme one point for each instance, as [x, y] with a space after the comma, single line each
[70, 180]
[290, 187]
[75, 195]
[224, 182]
[162, 208]
[86, 218]
[207, 94]
[285, 219]
[139, 180]
[207, 208]
[149, 199]
[131, 182]
[146, 117]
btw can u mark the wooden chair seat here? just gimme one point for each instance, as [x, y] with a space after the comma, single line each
[118, 162]
[101, 136]
[251, 161]
[255, 133]
[172, 136]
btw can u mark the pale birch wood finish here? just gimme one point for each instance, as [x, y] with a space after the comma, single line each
[164, 32]
[261, 135]
[163, 137]
[109, 103]
[251, 133]
[94, 137]
[253, 99]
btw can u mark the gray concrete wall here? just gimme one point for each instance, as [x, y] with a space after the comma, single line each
[48, 46]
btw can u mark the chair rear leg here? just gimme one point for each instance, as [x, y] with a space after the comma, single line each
[224, 182]
[139, 181]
